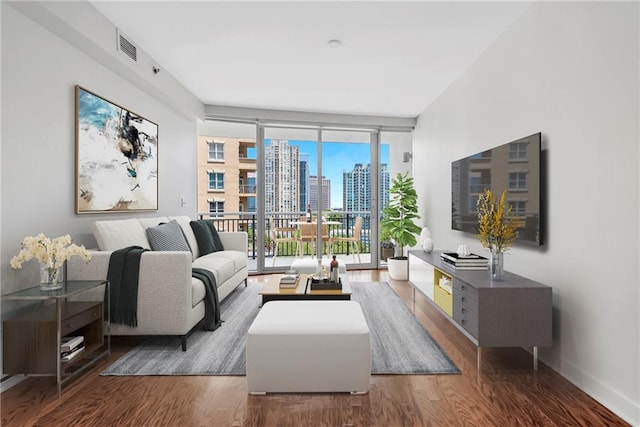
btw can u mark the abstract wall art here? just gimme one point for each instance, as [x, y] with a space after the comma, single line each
[116, 157]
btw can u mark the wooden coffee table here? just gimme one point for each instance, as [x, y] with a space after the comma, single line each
[271, 291]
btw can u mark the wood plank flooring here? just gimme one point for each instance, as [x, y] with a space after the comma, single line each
[506, 392]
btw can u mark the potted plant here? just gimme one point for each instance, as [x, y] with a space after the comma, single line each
[387, 249]
[397, 223]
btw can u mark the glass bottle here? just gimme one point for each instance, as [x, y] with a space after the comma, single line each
[309, 213]
[333, 270]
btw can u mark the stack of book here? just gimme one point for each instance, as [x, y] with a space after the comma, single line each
[289, 279]
[464, 262]
[446, 284]
[71, 347]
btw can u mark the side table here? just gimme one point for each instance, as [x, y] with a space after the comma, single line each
[32, 338]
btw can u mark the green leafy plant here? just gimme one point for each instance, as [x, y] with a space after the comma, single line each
[397, 218]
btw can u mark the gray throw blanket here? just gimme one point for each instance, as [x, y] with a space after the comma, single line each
[123, 274]
[211, 304]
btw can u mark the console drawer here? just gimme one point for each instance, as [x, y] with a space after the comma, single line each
[470, 324]
[465, 296]
[461, 289]
[75, 322]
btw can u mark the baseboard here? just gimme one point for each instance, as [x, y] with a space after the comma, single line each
[9, 381]
[619, 404]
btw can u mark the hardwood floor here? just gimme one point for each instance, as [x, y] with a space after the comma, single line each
[506, 392]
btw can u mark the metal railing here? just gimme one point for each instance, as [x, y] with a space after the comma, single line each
[248, 222]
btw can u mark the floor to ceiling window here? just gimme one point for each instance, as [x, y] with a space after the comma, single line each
[263, 178]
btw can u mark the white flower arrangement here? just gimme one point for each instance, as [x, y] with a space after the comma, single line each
[52, 253]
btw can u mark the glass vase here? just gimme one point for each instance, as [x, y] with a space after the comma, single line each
[496, 265]
[51, 277]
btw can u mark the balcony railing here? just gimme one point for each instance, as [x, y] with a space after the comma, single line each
[248, 222]
[247, 189]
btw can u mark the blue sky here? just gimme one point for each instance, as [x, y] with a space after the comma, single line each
[336, 158]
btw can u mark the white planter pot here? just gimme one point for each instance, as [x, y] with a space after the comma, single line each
[398, 268]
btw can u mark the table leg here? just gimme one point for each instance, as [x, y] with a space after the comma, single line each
[414, 298]
[108, 285]
[59, 342]
[479, 358]
[535, 357]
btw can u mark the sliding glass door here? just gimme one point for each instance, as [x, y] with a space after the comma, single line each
[320, 189]
[290, 161]
[348, 168]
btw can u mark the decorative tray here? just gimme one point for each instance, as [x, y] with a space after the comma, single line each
[324, 284]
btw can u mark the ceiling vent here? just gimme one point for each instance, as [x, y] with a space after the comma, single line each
[125, 46]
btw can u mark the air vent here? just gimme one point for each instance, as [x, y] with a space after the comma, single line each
[126, 47]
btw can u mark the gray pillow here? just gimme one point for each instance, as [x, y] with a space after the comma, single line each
[167, 237]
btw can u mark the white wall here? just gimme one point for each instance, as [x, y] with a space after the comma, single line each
[39, 72]
[569, 70]
[37, 152]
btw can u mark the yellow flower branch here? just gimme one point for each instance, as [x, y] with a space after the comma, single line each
[497, 227]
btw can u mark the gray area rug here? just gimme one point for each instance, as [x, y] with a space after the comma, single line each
[399, 344]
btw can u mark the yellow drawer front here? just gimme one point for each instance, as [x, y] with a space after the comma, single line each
[444, 299]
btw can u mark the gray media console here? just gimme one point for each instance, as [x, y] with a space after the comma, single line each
[516, 312]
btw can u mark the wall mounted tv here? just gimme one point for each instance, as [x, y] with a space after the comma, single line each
[516, 167]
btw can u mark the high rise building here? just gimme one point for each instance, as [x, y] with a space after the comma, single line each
[356, 188]
[384, 185]
[304, 180]
[313, 193]
[282, 177]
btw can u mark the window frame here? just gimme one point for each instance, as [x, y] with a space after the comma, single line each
[209, 175]
[216, 212]
[218, 149]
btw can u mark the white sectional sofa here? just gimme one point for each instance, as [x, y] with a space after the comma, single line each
[170, 301]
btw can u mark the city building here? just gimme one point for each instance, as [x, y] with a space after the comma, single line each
[304, 180]
[356, 188]
[282, 177]
[226, 176]
[313, 193]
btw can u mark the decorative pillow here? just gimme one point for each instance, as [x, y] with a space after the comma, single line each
[217, 242]
[167, 237]
[206, 236]
[147, 222]
[183, 221]
[117, 234]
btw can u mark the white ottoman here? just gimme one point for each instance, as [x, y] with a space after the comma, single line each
[309, 346]
[308, 265]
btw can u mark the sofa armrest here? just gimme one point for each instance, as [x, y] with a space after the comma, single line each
[164, 286]
[234, 240]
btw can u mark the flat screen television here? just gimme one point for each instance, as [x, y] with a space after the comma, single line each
[516, 167]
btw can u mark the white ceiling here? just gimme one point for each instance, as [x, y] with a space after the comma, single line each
[395, 60]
